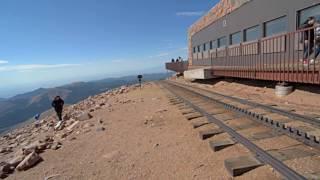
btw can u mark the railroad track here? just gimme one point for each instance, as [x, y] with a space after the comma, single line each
[226, 118]
[288, 114]
[281, 120]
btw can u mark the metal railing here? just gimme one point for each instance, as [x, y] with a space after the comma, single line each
[179, 67]
[289, 57]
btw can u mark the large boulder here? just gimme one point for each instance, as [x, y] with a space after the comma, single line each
[29, 161]
[36, 146]
[3, 175]
[6, 168]
[17, 160]
[84, 116]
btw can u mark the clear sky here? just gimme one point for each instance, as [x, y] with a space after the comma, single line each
[45, 43]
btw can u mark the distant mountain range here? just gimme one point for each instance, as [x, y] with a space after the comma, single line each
[22, 107]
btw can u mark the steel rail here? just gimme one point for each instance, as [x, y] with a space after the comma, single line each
[295, 133]
[288, 114]
[262, 155]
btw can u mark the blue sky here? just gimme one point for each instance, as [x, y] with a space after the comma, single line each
[47, 43]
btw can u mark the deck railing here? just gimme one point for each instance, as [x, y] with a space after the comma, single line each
[179, 67]
[284, 57]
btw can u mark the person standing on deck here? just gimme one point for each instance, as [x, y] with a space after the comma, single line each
[317, 39]
[311, 45]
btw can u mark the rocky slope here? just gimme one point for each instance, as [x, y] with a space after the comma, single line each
[22, 107]
[21, 148]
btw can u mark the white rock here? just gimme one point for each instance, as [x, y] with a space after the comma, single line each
[87, 125]
[29, 161]
[16, 160]
[72, 126]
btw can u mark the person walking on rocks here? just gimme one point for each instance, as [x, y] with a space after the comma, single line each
[57, 104]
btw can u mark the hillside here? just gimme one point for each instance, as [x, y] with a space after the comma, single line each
[22, 107]
[126, 133]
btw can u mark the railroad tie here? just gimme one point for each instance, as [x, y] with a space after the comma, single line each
[210, 133]
[193, 116]
[217, 145]
[196, 125]
[240, 165]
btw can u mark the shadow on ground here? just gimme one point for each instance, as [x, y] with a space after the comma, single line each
[261, 83]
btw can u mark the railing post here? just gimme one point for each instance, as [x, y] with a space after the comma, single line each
[241, 54]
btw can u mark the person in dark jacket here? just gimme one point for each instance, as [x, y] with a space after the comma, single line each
[57, 104]
[311, 40]
[308, 36]
[317, 39]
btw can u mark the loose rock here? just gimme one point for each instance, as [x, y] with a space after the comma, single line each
[87, 125]
[56, 145]
[6, 168]
[16, 160]
[31, 160]
[72, 126]
[101, 129]
[156, 145]
[85, 116]
[3, 175]
[6, 150]
[36, 146]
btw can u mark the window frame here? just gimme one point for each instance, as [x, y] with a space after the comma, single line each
[265, 26]
[219, 42]
[204, 47]
[236, 33]
[215, 44]
[245, 37]
[298, 13]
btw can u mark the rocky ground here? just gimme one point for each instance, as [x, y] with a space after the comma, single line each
[126, 133]
[22, 148]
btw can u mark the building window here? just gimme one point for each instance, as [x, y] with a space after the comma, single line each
[214, 44]
[252, 33]
[276, 26]
[198, 48]
[235, 38]
[303, 15]
[222, 42]
[208, 46]
[194, 49]
[204, 47]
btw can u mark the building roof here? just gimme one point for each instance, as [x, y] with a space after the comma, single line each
[219, 10]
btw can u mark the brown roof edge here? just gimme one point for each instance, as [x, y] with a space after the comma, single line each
[221, 9]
